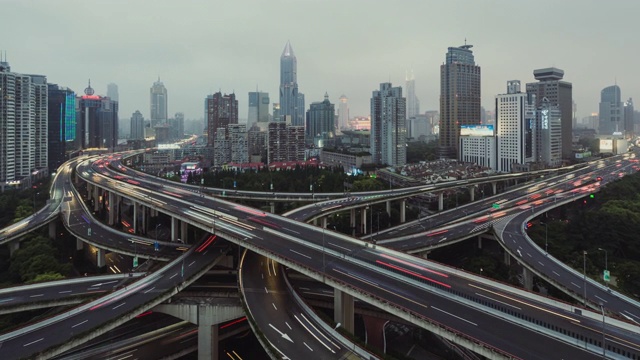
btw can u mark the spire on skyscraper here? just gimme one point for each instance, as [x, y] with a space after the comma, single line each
[288, 51]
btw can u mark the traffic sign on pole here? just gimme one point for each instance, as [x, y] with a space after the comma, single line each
[606, 276]
[135, 261]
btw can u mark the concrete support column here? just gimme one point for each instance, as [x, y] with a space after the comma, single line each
[403, 211]
[96, 198]
[388, 207]
[79, 244]
[494, 187]
[272, 206]
[363, 220]
[527, 279]
[472, 193]
[324, 222]
[13, 246]
[112, 208]
[101, 261]
[440, 201]
[174, 228]
[145, 219]
[184, 231]
[315, 222]
[479, 242]
[425, 255]
[507, 258]
[352, 221]
[52, 230]
[343, 309]
[118, 205]
[207, 333]
[135, 217]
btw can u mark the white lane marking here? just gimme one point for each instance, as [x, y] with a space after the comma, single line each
[104, 283]
[274, 306]
[338, 246]
[289, 326]
[172, 276]
[149, 290]
[308, 257]
[265, 290]
[5, 300]
[556, 273]
[574, 284]
[80, 323]
[262, 276]
[457, 317]
[118, 306]
[193, 262]
[634, 315]
[293, 231]
[205, 253]
[529, 255]
[308, 347]
[64, 292]
[501, 302]
[281, 333]
[33, 342]
[38, 295]
[600, 298]
[319, 332]
[540, 262]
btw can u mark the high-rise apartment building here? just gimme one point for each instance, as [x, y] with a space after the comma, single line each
[258, 108]
[159, 103]
[23, 126]
[112, 92]
[177, 126]
[284, 142]
[96, 121]
[343, 114]
[459, 97]
[388, 126]
[514, 124]
[320, 125]
[291, 101]
[558, 93]
[222, 110]
[629, 119]
[413, 104]
[611, 111]
[238, 143]
[137, 126]
[257, 143]
[62, 124]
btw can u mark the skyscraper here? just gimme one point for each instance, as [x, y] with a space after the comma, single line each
[459, 97]
[320, 125]
[284, 142]
[258, 108]
[413, 104]
[290, 99]
[159, 100]
[343, 114]
[628, 119]
[62, 123]
[222, 110]
[549, 133]
[515, 117]
[388, 126]
[611, 111]
[137, 126]
[558, 93]
[97, 121]
[112, 92]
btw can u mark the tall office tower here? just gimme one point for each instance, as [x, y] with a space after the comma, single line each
[548, 133]
[96, 120]
[61, 111]
[628, 119]
[343, 114]
[515, 117]
[388, 126]
[177, 126]
[290, 99]
[112, 92]
[258, 108]
[413, 104]
[137, 126]
[558, 93]
[611, 111]
[459, 97]
[159, 100]
[222, 110]
[320, 126]
[276, 112]
[239, 143]
[284, 142]
[257, 144]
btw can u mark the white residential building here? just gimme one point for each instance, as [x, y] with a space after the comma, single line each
[515, 116]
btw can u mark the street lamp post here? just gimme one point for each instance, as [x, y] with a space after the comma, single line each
[323, 254]
[604, 338]
[606, 265]
[546, 239]
[584, 274]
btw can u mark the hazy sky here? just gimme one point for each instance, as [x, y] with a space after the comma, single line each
[349, 47]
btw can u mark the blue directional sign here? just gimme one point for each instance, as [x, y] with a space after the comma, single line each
[156, 246]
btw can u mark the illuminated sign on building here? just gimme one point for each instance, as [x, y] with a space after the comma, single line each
[545, 119]
[476, 130]
[606, 145]
[68, 115]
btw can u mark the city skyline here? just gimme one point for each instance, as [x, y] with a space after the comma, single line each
[342, 59]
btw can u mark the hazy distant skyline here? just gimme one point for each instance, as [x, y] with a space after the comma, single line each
[343, 47]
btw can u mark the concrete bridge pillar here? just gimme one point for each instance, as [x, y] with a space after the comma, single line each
[118, 206]
[507, 258]
[363, 220]
[112, 208]
[494, 187]
[374, 328]
[440, 201]
[403, 211]
[135, 217]
[388, 203]
[343, 310]
[101, 261]
[479, 242]
[272, 206]
[174, 228]
[324, 222]
[207, 340]
[184, 231]
[79, 244]
[52, 230]
[352, 221]
[96, 198]
[472, 193]
[14, 245]
[527, 279]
